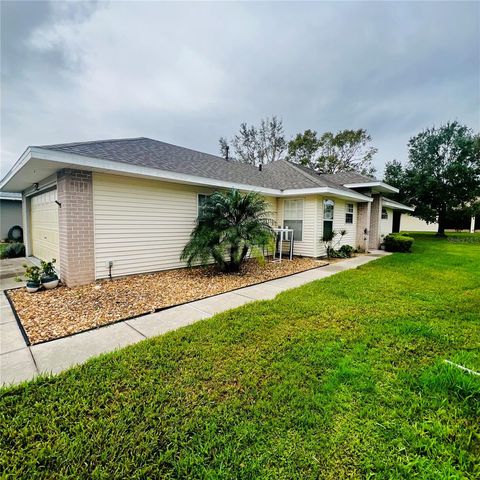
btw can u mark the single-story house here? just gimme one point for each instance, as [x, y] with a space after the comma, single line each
[10, 212]
[128, 206]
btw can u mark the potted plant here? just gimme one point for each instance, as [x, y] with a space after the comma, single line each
[49, 277]
[32, 274]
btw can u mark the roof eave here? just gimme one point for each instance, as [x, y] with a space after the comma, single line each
[57, 160]
[336, 192]
[60, 160]
[24, 158]
[379, 186]
[396, 205]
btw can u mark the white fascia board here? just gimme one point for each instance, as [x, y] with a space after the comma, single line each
[384, 186]
[16, 197]
[327, 191]
[386, 202]
[71, 160]
[109, 166]
[24, 158]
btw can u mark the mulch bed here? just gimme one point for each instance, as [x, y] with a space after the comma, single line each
[61, 312]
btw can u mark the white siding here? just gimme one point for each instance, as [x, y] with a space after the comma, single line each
[338, 224]
[142, 225]
[386, 226]
[408, 223]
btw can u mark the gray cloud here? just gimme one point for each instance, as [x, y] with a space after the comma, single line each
[188, 73]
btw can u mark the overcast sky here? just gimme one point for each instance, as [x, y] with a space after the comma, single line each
[188, 73]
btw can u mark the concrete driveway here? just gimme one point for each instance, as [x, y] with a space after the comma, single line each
[10, 268]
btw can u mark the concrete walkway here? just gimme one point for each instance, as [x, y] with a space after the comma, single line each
[18, 362]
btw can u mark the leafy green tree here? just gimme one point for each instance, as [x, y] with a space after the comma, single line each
[394, 175]
[303, 148]
[345, 151]
[443, 172]
[228, 226]
[257, 145]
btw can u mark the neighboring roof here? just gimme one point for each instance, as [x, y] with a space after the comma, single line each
[151, 158]
[387, 202]
[10, 196]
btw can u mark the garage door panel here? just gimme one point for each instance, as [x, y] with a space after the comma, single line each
[44, 226]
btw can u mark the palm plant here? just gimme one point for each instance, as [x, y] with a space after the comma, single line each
[229, 224]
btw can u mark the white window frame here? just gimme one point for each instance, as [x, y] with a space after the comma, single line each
[201, 194]
[384, 215]
[302, 200]
[349, 211]
[324, 204]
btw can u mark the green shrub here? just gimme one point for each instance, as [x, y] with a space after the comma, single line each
[14, 250]
[396, 242]
[346, 251]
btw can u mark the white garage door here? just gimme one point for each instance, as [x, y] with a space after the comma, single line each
[44, 226]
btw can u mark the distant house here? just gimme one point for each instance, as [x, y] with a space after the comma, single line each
[409, 223]
[128, 206]
[10, 212]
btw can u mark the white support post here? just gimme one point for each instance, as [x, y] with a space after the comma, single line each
[472, 225]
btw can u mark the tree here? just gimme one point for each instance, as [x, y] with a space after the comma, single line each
[257, 146]
[228, 226]
[303, 148]
[345, 151]
[443, 172]
[394, 175]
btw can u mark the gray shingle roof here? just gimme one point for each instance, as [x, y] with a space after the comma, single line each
[165, 156]
[146, 152]
[345, 178]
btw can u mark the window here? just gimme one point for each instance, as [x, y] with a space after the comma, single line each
[201, 199]
[328, 206]
[293, 218]
[349, 213]
[384, 214]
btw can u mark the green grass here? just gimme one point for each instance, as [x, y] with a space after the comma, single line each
[341, 378]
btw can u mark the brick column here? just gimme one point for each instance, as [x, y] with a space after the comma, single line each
[363, 223]
[75, 225]
[375, 218]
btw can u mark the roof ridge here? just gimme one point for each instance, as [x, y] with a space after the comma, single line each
[303, 172]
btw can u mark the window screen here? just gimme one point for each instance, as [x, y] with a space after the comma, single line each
[328, 211]
[349, 213]
[293, 217]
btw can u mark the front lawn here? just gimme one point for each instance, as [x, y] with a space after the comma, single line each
[341, 378]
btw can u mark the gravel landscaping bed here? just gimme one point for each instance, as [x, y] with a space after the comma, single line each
[57, 313]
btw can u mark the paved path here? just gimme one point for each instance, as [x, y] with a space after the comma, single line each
[18, 362]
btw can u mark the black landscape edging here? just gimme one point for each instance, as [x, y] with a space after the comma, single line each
[17, 318]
